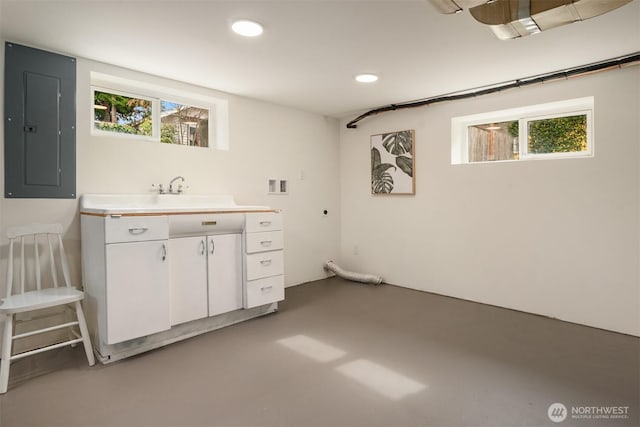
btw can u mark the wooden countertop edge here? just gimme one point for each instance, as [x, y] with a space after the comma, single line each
[104, 214]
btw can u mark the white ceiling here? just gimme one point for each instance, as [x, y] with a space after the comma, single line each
[311, 50]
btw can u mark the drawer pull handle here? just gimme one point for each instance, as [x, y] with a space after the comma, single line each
[137, 230]
[209, 222]
[265, 223]
[266, 288]
[265, 262]
[265, 242]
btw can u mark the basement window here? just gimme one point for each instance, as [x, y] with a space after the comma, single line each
[184, 124]
[139, 110]
[120, 113]
[546, 131]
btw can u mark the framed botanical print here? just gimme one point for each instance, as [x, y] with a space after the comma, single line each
[393, 163]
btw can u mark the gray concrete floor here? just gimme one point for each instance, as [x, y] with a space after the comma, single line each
[346, 354]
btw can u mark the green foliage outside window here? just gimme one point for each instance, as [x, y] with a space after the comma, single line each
[555, 135]
[167, 133]
[558, 135]
[122, 114]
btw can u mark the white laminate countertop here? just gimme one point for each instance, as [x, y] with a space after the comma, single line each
[156, 204]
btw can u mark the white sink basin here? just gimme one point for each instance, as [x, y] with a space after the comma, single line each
[140, 203]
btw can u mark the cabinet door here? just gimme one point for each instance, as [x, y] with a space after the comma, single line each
[137, 289]
[225, 273]
[188, 279]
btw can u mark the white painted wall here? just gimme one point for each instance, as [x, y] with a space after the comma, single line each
[559, 238]
[265, 141]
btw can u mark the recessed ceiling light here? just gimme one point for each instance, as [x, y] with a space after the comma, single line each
[247, 28]
[366, 78]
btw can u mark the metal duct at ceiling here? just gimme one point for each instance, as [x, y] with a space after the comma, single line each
[455, 6]
[517, 18]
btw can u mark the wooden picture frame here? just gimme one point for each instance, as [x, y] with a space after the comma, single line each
[393, 163]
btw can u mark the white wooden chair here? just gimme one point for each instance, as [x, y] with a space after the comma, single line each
[29, 298]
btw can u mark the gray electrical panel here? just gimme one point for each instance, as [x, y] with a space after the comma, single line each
[40, 124]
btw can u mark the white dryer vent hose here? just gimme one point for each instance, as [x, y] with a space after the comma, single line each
[350, 275]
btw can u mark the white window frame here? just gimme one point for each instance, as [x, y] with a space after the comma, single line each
[572, 107]
[218, 108]
[523, 140]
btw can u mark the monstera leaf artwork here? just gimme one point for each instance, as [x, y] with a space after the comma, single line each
[381, 180]
[392, 163]
[398, 143]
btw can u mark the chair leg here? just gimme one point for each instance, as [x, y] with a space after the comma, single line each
[6, 352]
[84, 331]
[68, 315]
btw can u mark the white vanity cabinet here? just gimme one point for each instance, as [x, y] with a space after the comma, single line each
[264, 259]
[157, 269]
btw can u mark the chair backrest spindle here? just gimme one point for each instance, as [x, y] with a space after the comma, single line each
[63, 263]
[54, 272]
[37, 266]
[10, 269]
[22, 264]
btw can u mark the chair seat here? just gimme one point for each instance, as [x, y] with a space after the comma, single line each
[35, 300]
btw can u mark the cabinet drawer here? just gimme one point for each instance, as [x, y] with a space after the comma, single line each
[263, 222]
[135, 229]
[265, 241]
[264, 264]
[205, 224]
[264, 291]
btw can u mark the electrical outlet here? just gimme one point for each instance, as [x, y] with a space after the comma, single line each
[277, 186]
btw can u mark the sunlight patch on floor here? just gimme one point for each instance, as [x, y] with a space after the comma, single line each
[312, 348]
[382, 380]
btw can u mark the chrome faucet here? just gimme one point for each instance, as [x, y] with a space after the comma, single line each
[179, 190]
